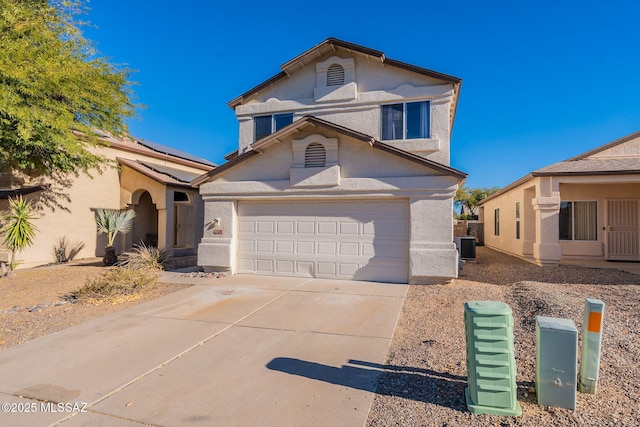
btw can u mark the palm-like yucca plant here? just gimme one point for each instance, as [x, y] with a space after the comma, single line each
[111, 222]
[19, 231]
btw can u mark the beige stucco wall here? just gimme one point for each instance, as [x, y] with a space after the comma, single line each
[74, 219]
[375, 84]
[545, 194]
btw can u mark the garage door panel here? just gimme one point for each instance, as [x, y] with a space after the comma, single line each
[285, 227]
[246, 246]
[285, 267]
[246, 264]
[306, 227]
[325, 227]
[265, 246]
[362, 240]
[246, 226]
[326, 269]
[304, 268]
[285, 247]
[349, 228]
[305, 248]
[327, 248]
[350, 249]
[265, 227]
[265, 265]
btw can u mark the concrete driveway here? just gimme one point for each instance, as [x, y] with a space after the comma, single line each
[239, 350]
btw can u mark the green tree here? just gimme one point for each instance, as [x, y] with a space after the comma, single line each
[19, 230]
[467, 198]
[57, 91]
[111, 222]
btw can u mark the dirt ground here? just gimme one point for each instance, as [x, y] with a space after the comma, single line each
[34, 302]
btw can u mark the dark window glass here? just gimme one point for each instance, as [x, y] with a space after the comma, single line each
[263, 126]
[392, 121]
[566, 213]
[417, 120]
[282, 120]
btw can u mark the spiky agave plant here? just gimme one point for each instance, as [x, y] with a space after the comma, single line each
[19, 231]
[111, 222]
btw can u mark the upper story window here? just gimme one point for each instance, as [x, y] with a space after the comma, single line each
[409, 120]
[315, 156]
[266, 125]
[335, 75]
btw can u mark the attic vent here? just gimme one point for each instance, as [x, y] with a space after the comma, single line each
[335, 75]
[315, 156]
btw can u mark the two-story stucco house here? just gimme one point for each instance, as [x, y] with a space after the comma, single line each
[584, 208]
[342, 171]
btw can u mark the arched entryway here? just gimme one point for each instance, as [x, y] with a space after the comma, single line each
[145, 224]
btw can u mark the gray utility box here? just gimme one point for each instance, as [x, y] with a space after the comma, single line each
[466, 246]
[556, 362]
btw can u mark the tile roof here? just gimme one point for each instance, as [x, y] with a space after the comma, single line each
[592, 166]
[160, 173]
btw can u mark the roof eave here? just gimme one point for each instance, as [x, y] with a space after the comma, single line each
[503, 190]
[588, 173]
[605, 146]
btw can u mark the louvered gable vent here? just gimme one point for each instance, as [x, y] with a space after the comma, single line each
[315, 156]
[335, 75]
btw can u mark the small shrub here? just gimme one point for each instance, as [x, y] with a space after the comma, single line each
[116, 285]
[143, 257]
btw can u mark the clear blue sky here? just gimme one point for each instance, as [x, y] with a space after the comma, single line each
[542, 81]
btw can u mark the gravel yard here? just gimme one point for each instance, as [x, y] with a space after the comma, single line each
[425, 375]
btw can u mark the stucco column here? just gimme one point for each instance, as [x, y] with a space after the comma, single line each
[432, 254]
[546, 249]
[162, 230]
[216, 251]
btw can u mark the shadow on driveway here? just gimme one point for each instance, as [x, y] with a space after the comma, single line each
[423, 385]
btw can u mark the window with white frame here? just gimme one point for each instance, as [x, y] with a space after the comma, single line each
[266, 125]
[578, 220]
[409, 120]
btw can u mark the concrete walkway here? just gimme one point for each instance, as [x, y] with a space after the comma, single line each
[629, 266]
[239, 350]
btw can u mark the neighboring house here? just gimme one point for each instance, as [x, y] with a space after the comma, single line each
[587, 207]
[342, 171]
[149, 178]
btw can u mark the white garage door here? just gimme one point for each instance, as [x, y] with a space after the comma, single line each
[362, 240]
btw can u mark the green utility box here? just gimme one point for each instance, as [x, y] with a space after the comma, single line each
[491, 364]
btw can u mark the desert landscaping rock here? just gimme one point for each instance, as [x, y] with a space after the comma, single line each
[425, 374]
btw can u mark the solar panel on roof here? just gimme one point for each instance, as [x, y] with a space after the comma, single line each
[177, 174]
[174, 152]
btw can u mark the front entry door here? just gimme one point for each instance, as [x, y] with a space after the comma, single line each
[623, 230]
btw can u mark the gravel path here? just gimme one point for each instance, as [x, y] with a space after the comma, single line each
[425, 376]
